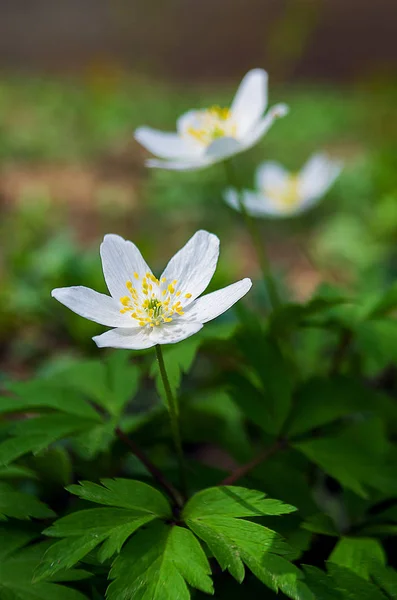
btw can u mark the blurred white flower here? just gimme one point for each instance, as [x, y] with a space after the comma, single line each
[205, 137]
[144, 310]
[283, 194]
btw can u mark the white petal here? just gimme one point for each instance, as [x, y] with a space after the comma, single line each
[179, 165]
[270, 175]
[317, 176]
[259, 130]
[194, 265]
[120, 260]
[93, 306]
[133, 339]
[255, 204]
[176, 331]
[212, 305]
[163, 144]
[250, 100]
[183, 124]
[223, 148]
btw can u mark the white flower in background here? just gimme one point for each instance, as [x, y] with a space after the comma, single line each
[144, 310]
[205, 137]
[283, 194]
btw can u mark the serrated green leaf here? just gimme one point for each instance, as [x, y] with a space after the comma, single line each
[124, 493]
[321, 584]
[233, 501]
[233, 541]
[16, 447]
[352, 586]
[16, 572]
[65, 554]
[386, 578]
[157, 563]
[21, 506]
[279, 574]
[358, 555]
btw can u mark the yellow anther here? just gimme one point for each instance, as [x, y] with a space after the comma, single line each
[163, 293]
[171, 289]
[125, 301]
[188, 295]
[178, 293]
[136, 275]
[142, 323]
[163, 280]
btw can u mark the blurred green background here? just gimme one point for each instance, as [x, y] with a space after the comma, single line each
[78, 76]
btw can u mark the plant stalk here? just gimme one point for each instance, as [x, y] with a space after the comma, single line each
[173, 411]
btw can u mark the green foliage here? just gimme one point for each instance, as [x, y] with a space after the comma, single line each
[17, 567]
[297, 403]
[158, 564]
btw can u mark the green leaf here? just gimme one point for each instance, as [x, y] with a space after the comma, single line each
[157, 564]
[233, 501]
[178, 359]
[321, 584]
[16, 472]
[39, 394]
[215, 418]
[320, 523]
[65, 554]
[214, 515]
[273, 371]
[133, 503]
[357, 457]
[16, 447]
[358, 555]
[16, 572]
[386, 578]
[52, 426]
[124, 493]
[124, 379]
[21, 506]
[320, 401]
[352, 586]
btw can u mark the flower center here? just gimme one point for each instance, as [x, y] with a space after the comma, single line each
[286, 195]
[152, 302]
[211, 124]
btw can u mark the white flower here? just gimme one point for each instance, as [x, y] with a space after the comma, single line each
[283, 194]
[205, 137]
[144, 310]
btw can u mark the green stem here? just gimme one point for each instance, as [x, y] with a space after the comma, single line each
[253, 230]
[173, 411]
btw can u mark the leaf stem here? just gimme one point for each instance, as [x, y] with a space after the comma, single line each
[173, 411]
[153, 470]
[253, 231]
[341, 350]
[242, 471]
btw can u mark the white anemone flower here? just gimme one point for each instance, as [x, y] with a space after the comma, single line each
[280, 193]
[144, 310]
[208, 136]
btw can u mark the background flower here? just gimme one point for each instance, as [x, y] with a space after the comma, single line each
[207, 136]
[280, 193]
[144, 310]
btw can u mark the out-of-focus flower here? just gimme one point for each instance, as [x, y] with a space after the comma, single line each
[144, 310]
[205, 137]
[283, 194]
